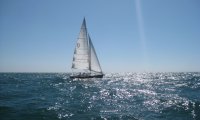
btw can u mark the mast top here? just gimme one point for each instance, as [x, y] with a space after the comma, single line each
[84, 23]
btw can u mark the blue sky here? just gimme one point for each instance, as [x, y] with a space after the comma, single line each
[129, 35]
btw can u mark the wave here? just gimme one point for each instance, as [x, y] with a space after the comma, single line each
[117, 96]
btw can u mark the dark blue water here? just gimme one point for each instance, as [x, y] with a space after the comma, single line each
[118, 96]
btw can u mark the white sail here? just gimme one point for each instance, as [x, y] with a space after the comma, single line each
[85, 57]
[94, 62]
[81, 55]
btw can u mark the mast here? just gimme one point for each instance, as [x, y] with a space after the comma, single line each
[89, 53]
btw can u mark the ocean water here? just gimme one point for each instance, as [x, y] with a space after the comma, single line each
[118, 96]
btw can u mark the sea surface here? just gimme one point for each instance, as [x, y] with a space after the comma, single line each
[118, 96]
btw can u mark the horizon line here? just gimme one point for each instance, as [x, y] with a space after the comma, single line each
[117, 72]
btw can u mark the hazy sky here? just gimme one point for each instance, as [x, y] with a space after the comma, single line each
[129, 35]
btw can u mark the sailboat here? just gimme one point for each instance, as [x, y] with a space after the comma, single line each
[85, 59]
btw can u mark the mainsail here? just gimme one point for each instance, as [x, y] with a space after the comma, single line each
[85, 57]
[81, 57]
